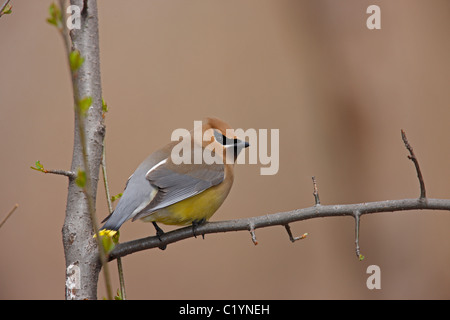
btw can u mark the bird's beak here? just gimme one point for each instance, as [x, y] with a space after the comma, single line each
[242, 144]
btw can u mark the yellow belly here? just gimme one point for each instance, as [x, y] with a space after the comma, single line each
[201, 206]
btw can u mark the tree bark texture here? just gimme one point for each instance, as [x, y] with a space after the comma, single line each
[80, 248]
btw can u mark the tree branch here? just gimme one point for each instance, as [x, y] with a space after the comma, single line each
[279, 219]
[291, 237]
[70, 174]
[357, 216]
[39, 167]
[316, 191]
[5, 8]
[9, 214]
[80, 248]
[123, 293]
[284, 218]
[4, 5]
[413, 158]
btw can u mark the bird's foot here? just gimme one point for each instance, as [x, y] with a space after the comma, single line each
[159, 233]
[195, 224]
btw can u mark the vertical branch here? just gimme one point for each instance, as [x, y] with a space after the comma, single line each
[110, 209]
[252, 233]
[413, 158]
[357, 215]
[80, 248]
[316, 192]
[105, 180]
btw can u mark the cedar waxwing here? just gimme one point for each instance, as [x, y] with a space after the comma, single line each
[180, 194]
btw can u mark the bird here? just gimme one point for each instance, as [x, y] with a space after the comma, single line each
[163, 191]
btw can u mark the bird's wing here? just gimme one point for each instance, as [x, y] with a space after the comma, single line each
[175, 184]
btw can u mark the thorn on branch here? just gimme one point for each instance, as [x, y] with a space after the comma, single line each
[413, 158]
[252, 232]
[357, 215]
[316, 192]
[283, 218]
[291, 237]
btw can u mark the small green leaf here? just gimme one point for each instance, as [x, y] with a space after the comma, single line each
[84, 105]
[52, 21]
[81, 178]
[38, 166]
[108, 243]
[52, 9]
[361, 257]
[55, 16]
[6, 9]
[104, 106]
[118, 296]
[75, 60]
[114, 198]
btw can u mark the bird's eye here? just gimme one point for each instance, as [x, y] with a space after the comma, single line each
[223, 139]
[219, 137]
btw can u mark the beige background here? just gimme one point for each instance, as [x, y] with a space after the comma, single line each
[338, 92]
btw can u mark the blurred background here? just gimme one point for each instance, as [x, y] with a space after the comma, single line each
[338, 92]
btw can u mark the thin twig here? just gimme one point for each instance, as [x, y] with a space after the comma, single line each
[123, 292]
[357, 216]
[105, 180]
[413, 158]
[63, 29]
[316, 192]
[280, 218]
[110, 209]
[3, 7]
[252, 233]
[9, 215]
[291, 237]
[39, 167]
[70, 174]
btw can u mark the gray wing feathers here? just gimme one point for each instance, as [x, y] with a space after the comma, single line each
[174, 187]
[150, 189]
[137, 194]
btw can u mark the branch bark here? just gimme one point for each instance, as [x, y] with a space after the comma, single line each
[80, 248]
[69, 174]
[413, 158]
[284, 218]
[279, 219]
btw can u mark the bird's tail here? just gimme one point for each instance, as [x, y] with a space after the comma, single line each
[115, 220]
[113, 223]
